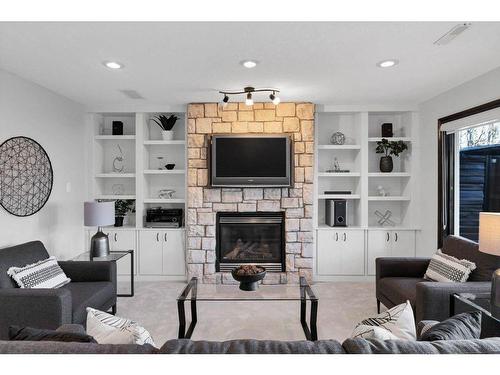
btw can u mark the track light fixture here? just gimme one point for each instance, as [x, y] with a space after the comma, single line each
[249, 91]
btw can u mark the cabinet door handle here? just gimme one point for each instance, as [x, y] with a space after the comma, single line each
[157, 237]
[388, 237]
[396, 236]
[115, 236]
[345, 236]
[336, 236]
[165, 237]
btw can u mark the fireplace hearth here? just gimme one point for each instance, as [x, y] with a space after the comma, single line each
[250, 238]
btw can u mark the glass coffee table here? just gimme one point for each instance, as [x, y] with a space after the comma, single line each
[465, 302]
[194, 292]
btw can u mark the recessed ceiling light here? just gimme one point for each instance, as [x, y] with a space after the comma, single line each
[249, 64]
[387, 63]
[113, 65]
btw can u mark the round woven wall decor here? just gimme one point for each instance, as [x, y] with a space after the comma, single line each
[26, 176]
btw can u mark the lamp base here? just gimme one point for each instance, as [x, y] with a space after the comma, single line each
[495, 294]
[99, 245]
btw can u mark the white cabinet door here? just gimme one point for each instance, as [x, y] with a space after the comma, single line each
[150, 252]
[328, 249]
[352, 255]
[340, 253]
[403, 243]
[379, 245]
[123, 240]
[173, 253]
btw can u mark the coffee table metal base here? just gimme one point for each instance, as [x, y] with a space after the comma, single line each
[310, 331]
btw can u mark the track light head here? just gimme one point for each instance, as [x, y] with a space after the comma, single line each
[225, 101]
[249, 100]
[275, 99]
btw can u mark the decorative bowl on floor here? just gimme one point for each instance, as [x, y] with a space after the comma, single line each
[249, 276]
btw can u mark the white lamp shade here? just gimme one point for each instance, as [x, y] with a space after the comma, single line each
[98, 214]
[489, 232]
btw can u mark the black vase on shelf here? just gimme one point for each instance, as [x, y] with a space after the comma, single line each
[386, 164]
[118, 221]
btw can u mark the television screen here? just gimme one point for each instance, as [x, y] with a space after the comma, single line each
[246, 160]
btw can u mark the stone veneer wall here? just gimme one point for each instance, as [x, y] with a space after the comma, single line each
[203, 202]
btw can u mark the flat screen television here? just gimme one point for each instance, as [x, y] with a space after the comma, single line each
[248, 160]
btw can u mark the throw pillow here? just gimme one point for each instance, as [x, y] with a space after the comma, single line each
[398, 321]
[46, 274]
[35, 334]
[372, 332]
[110, 329]
[446, 268]
[465, 326]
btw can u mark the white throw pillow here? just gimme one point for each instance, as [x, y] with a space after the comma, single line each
[109, 329]
[446, 268]
[45, 274]
[372, 332]
[398, 321]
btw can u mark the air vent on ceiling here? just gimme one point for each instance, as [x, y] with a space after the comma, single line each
[453, 33]
[132, 94]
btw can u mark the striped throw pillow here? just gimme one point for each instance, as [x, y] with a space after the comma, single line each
[446, 268]
[45, 274]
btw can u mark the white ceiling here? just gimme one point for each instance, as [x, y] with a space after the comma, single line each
[177, 63]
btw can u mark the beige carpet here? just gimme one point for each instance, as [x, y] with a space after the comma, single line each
[341, 306]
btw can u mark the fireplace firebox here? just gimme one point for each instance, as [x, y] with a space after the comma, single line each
[250, 238]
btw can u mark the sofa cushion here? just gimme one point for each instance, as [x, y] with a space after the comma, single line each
[44, 274]
[37, 347]
[361, 346]
[400, 289]
[19, 256]
[184, 346]
[90, 294]
[463, 326]
[448, 269]
[37, 334]
[462, 248]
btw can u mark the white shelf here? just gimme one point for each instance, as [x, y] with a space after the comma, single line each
[339, 174]
[164, 171]
[161, 142]
[115, 137]
[389, 198]
[115, 175]
[391, 174]
[339, 196]
[339, 147]
[159, 200]
[115, 196]
[376, 139]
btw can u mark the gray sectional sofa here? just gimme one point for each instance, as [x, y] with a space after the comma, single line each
[184, 346]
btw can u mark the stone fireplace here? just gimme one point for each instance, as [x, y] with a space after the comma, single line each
[294, 205]
[250, 238]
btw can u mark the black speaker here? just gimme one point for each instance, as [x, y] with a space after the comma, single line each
[336, 212]
[387, 130]
[117, 128]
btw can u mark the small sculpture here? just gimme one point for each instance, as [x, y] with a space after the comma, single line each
[381, 191]
[337, 138]
[384, 218]
[118, 164]
[166, 194]
[336, 167]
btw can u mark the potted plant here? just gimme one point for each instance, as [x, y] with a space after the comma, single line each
[166, 124]
[122, 208]
[389, 148]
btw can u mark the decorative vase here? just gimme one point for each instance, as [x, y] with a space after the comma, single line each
[386, 164]
[118, 221]
[167, 135]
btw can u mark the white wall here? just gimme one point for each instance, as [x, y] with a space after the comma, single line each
[57, 123]
[478, 91]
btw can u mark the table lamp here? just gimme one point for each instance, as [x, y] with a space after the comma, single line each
[99, 214]
[489, 243]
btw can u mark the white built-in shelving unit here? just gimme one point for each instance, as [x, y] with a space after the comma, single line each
[348, 252]
[159, 252]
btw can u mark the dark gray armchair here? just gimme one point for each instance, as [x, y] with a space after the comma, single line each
[401, 279]
[93, 284]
